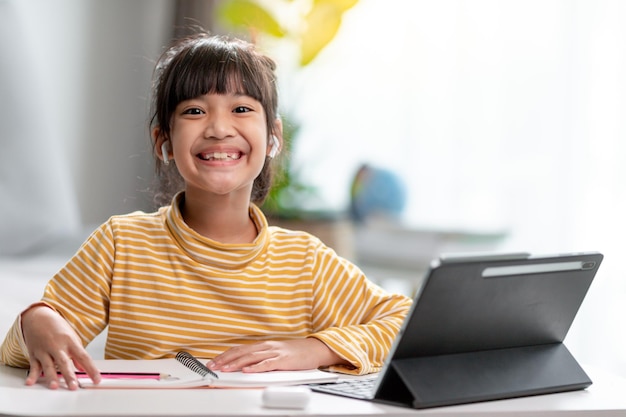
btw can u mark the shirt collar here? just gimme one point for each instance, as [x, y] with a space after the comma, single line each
[210, 252]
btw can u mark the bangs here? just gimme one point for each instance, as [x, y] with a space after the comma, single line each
[207, 69]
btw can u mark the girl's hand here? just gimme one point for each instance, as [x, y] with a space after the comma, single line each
[53, 346]
[288, 355]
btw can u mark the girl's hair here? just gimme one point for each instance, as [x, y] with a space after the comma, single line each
[201, 64]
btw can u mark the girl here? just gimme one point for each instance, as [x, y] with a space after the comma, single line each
[206, 273]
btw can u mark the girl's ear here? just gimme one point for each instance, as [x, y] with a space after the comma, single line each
[278, 129]
[161, 147]
[274, 147]
[276, 139]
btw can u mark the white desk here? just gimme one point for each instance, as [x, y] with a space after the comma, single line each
[606, 397]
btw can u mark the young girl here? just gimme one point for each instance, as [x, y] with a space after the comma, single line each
[206, 273]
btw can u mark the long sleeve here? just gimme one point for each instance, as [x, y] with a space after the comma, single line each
[354, 317]
[13, 350]
[78, 292]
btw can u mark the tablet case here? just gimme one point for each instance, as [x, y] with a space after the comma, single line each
[486, 329]
[460, 378]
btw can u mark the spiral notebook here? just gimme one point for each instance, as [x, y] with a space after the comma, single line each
[185, 371]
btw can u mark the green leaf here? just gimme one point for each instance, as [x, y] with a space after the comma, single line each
[249, 15]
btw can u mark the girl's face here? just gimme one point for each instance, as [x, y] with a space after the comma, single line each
[219, 143]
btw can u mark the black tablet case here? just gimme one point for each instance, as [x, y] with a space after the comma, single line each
[473, 338]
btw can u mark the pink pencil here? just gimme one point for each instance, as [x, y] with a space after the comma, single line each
[125, 375]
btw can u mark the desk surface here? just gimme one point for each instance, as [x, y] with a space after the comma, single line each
[604, 398]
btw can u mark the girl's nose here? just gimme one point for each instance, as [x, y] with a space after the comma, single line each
[218, 126]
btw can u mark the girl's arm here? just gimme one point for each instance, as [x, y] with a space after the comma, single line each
[354, 317]
[73, 311]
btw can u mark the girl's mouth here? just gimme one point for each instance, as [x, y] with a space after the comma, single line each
[220, 156]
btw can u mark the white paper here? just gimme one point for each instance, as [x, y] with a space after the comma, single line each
[179, 376]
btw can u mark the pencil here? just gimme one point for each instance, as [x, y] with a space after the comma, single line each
[124, 375]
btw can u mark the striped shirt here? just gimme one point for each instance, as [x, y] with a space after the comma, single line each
[160, 287]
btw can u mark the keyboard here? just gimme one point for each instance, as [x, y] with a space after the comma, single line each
[354, 388]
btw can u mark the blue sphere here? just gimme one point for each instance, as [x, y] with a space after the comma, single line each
[376, 192]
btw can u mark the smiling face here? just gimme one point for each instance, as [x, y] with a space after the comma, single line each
[219, 143]
[215, 106]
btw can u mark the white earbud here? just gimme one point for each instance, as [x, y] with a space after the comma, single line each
[165, 153]
[274, 147]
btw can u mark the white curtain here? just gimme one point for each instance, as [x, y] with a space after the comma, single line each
[74, 82]
[37, 200]
[500, 115]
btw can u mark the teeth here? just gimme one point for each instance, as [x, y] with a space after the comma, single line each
[219, 155]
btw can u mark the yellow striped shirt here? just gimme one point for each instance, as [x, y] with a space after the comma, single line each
[161, 287]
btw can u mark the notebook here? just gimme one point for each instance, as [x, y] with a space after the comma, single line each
[186, 371]
[484, 328]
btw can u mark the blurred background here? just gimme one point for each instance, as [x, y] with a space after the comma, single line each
[416, 127]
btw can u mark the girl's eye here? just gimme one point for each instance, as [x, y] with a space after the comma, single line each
[193, 110]
[242, 109]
